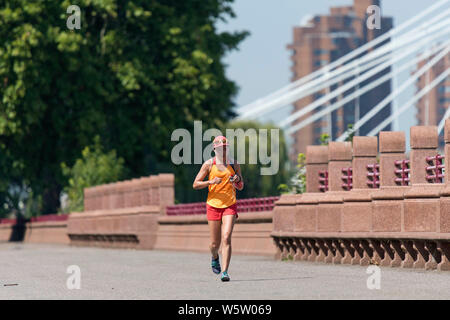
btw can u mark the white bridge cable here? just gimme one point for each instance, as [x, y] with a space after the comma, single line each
[361, 78]
[411, 102]
[299, 93]
[362, 90]
[393, 94]
[318, 84]
[442, 122]
[348, 56]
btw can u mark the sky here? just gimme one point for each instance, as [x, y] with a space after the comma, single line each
[262, 64]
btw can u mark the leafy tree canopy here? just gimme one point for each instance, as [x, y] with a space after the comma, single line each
[134, 72]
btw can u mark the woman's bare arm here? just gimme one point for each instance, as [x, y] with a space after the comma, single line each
[204, 171]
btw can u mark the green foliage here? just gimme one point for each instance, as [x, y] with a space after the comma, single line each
[134, 72]
[93, 168]
[350, 133]
[324, 139]
[257, 185]
[298, 180]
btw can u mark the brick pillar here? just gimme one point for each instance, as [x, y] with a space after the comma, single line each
[127, 194]
[365, 151]
[421, 204]
[291, 215]
[387, 202]
[447, 151]
[339, 157]
[357, 209]
[424, 143]
[329, 211]
[112, 195]
[87, 199]
[120, 195]
[444, 225]
[95, 198]
[166, 191]
[154, 191]
[305, 219]
[104, 196]
[136, 197]
[392, 148]
[283, 224]
[444, 215]
[316, 160]
[144, 190]
[421, 215]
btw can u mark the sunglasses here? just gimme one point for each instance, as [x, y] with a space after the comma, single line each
[220, 141]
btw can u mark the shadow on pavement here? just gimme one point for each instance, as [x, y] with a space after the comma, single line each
[18, 230]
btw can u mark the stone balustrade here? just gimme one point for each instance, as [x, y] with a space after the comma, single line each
[122, 214]
[376, 205]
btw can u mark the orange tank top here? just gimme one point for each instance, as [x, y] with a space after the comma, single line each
[222, 195]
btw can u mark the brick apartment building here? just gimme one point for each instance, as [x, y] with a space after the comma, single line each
[321, 40]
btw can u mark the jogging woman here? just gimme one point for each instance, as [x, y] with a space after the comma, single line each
[223, 179]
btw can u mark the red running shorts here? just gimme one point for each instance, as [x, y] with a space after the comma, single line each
[215, 214]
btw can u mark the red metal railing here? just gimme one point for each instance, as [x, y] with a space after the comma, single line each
[402, 172]
[373, 174]
[243, 205]
[435, 169]
[323, 180]
[347, 177]
[7, 221]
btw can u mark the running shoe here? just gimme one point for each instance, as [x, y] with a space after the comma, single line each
[225, 276]
[215, 265]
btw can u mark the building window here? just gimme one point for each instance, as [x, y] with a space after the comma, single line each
[317, 95]
[444, 89]
[318, 52]
[348, 21]
[319, 63]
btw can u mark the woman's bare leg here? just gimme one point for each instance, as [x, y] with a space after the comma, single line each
[227, 230]
[215, 235]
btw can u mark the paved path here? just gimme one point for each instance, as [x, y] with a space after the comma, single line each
[39, 272]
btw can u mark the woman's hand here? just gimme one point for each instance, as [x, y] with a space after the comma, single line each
[235, 178]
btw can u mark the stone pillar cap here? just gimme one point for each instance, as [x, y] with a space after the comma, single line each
[166, 179]
[447, 131]
[392, 141]
[365, 146]
[316, 154]
[424, 137]
[339, 151]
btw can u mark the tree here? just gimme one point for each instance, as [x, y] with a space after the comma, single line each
[93, 168]
[134, 72]
[256, 184]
